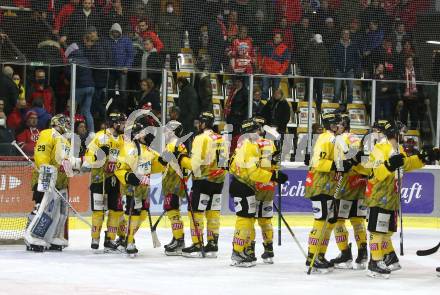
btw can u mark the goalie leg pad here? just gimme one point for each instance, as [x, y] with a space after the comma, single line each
[58, 238]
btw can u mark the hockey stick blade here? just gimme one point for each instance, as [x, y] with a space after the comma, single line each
[428, 251]
[156, 242]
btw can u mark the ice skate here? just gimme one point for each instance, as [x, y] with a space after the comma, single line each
[268, 255]
[240, 259]
[211, 248]
[344, 259]
[193, 251]
[320, 265]
[174, 248]
[94, 245]
[361, 261]
[438, 271]
[250, 251]
[378, 269]
[392, 262]
[132, 251]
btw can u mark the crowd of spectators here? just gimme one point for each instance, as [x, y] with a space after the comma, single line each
[344, 39]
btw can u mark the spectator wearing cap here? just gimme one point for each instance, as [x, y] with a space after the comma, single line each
[80, 20]
[145, 30]
[118, 14]
[317, 65]
[121, 52]
[43, 116]
[346, 62]
[8, 90]
[188, 103]
[40, 88]
[169, 28]
[28, 137]
[274, 60]
[85, 85]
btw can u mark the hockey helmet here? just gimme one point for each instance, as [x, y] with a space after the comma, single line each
[260, 121]
[329, 119]
[207, 118]
[394, 129]
[61, 123]
[176, 127]
[249, 126]
[380, 125]
[345, 121]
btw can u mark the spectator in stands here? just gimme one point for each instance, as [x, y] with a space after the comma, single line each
[40, 88]
[118, 14]
[277, 112]
[64, 14]
[346, 62]
[85, 86]
[43, 116]
[236, 109]
[232, 26]
[204, 88]
[241, 63]
[217, 45]
[410, 94]
[148, 97]
[286, 33]
[303, 34]
[289, 9]
[274, 60]
[81, 130]
[407, 51]
[242, 38]
[188, 103]
[28, 137]
[323, 13]
[49, 51]
[144, 31]
[174, 113]
[260, 29]
[400, 36]
[149, 62]
[374, 12]
[8, 90]
[94, 51]
[330, 33]
[408, 10]
[121, 51]
[385, 55]
[373, 39]
[385, 95]
[169, 29]
[6, 134]
[80, 20]
[257, 102]
[317, 65]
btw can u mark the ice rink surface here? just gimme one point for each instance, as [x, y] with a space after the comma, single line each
[78, 271]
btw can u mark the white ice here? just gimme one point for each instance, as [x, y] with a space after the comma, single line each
[78, 271]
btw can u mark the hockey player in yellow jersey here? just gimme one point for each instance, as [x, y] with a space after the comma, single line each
[53, 160]
[251, 170]
[321, 183]
[173, 189]
[101, 156]
[207, 162]
[350, 203]
[136, 162]
[383, 198]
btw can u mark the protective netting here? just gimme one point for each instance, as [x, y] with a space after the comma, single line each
[15, 199]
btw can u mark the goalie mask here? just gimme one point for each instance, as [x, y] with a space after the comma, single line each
[61, 123]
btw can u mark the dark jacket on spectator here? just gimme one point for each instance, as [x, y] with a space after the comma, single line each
[8, 92]
[216, 45]
[121, 51]
[152, 97]
[205, 94]
[49, 52]
[238, 108]
[189, 107]
[6, 137]
[346, 58]
[149, 63]
[388, 59]
[97, 57]
[169, 28]
[317, 62]
[114, 17]
[78, 23]
[84, 76]
[277, 114]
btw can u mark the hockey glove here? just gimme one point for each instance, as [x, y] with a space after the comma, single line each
[279, 177]
[105, 149]
[394, 162]
[358, 158]
[132, 179]
[347, 164]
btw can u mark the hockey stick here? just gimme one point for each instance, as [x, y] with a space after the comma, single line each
[428, 251]
[324, 228]
[130, 213]
[399, 187]
[156, 242]
[290, 231]
[14, 143]
[158, 220]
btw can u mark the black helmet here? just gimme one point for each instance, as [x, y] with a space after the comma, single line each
[330, 118]
[394, 129]
[380, 125]
[260, 121]
[116, 118]
[249, 126]
[176, 127]
[135, 129]
[207, 118]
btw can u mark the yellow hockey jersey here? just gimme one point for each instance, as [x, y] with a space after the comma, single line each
[52, 149]
[171, 181]
[207, 157]
[246, 164]
[106, 166]
[266, 191]
[382, 187]
[321, 179]
[140, 160]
